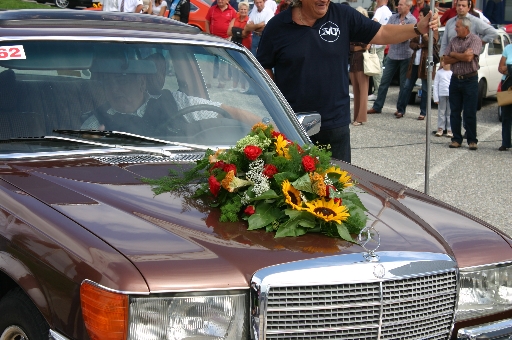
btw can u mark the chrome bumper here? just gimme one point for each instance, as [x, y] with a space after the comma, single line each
[501, 330]
[56, 336]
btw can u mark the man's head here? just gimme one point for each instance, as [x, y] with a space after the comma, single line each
[462, 27]
[381, 3]
[124, 92]
[222, 3]
[259, 4]
[243, 8]
[462, 7]
[420, 3]
[404, 6]
[312, 8]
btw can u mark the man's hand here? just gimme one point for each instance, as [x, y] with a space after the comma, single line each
[427, 22]
[469, 52]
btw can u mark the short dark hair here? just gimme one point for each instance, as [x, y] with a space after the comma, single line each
[425, 10]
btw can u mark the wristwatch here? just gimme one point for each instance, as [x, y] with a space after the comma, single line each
[416, 29]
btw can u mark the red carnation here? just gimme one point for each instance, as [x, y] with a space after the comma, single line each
[249, 210]
[218, 165]
[252, 152]
[309, 163]
[214, 185]
[229, 167]
[338, 201]
[269, 170]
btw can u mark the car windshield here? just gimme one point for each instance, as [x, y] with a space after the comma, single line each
[174, 94]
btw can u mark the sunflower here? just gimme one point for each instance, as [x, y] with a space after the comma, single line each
[292, 195]
[282, 146]
[344, 176]
[328, 210]
[318, 184]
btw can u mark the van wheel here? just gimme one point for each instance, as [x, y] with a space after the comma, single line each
[20, 318]
[482, 90]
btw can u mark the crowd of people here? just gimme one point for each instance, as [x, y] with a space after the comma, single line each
[302, 45]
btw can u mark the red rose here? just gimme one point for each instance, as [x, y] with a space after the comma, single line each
[269, 170]
[214, 185]
[249, 210]
[252, 152]
[309, 163]
[229, 167]
[338, 201]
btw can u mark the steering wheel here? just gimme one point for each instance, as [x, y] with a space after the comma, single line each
[194, 108]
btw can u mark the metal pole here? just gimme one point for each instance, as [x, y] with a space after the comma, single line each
[430, 67]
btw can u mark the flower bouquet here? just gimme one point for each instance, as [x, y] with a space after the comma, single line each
[275, 185]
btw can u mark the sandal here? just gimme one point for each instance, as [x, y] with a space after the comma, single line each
[421, 118]
[357, 123]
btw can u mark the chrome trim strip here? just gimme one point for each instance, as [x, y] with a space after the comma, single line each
[332, 270]
[486, 266]
[196, 290]
[112, 290]
[493, 330]
[53, 335]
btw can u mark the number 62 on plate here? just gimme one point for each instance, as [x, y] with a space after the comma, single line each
[12, 52]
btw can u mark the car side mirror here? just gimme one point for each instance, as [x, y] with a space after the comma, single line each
[310, 121]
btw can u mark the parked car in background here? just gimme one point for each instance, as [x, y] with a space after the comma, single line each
[87, 251]
[68, 3]
[198, 11]
[488, 75]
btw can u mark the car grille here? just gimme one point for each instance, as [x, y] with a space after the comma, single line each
[412, 308]
[178, 157]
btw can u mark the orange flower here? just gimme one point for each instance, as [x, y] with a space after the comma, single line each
[318, 184]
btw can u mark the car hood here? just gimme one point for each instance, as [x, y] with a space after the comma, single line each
[177, 243]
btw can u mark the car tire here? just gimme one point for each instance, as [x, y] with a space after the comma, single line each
[500, 118]
[482, 90]
[20, 318]
[65, 4]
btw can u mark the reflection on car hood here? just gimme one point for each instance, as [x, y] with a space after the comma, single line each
[170, 237]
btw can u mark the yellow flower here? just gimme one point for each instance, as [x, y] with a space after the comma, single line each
[328, 210]
[282, 146]
[344, 176]
[231, 182]
[292, 195]
[318, 184]
[214, 158]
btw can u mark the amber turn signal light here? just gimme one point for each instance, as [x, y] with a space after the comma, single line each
[105, 313]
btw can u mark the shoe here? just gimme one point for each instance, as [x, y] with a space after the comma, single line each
[372, 111]
[502, 148]
[454, 145]
[357, 123]
[372, 97]
[449, 134]
[399, 115]
[421, 118]
[473, 146]
[439, 132]
[396, 112]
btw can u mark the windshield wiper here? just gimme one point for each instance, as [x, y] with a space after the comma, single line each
[131, 136]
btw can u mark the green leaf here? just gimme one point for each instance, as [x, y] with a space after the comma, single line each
[303, 184]
[282, 176]
[303, 218]
[352, 197]
[264, 215]
[344, 234]
[357, 219]
[267, 195]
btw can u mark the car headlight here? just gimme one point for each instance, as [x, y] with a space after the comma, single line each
[189, 316]
[485, 291]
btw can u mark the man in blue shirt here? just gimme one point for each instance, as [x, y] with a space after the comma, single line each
[305, 50]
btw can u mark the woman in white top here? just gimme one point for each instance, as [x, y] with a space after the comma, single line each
[157, 7]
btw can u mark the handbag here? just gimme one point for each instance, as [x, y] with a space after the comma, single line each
[236, 35]
[435, 53]
[371, 63]
[505, 96]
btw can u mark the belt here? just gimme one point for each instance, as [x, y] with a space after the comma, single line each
[465, 76]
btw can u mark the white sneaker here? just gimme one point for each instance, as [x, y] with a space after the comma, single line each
[372, 97]
[351, 96]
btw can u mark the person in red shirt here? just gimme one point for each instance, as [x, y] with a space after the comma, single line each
[239, 22]
[452, 12]
[218, 18]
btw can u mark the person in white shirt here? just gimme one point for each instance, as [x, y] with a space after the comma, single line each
[381, 15]
[127, 6]
[271, 4]
[258, 18]
[441, 93]
[157, 7]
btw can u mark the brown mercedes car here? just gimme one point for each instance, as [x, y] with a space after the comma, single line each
[91, 103]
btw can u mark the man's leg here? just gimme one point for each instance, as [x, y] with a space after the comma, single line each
[424, 97]
[403, 65]
[377, 79]
[456, 102]
[405, 94]
[470, 96]
[338, 139]
[255, 42]
[387, 76]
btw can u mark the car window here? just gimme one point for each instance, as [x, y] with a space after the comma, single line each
[496, 47]
[174, 92]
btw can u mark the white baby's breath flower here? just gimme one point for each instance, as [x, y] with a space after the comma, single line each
[262, 143]
[255, 175]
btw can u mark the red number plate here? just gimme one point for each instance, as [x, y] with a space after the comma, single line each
[12, 52]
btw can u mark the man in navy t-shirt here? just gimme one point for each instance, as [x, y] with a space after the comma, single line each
[305, 49]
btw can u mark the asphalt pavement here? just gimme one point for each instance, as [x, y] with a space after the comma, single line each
[478, 182]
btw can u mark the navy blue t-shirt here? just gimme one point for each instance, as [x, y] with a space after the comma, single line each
[311, 63]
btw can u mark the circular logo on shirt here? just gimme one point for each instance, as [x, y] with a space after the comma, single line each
[329, 32]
